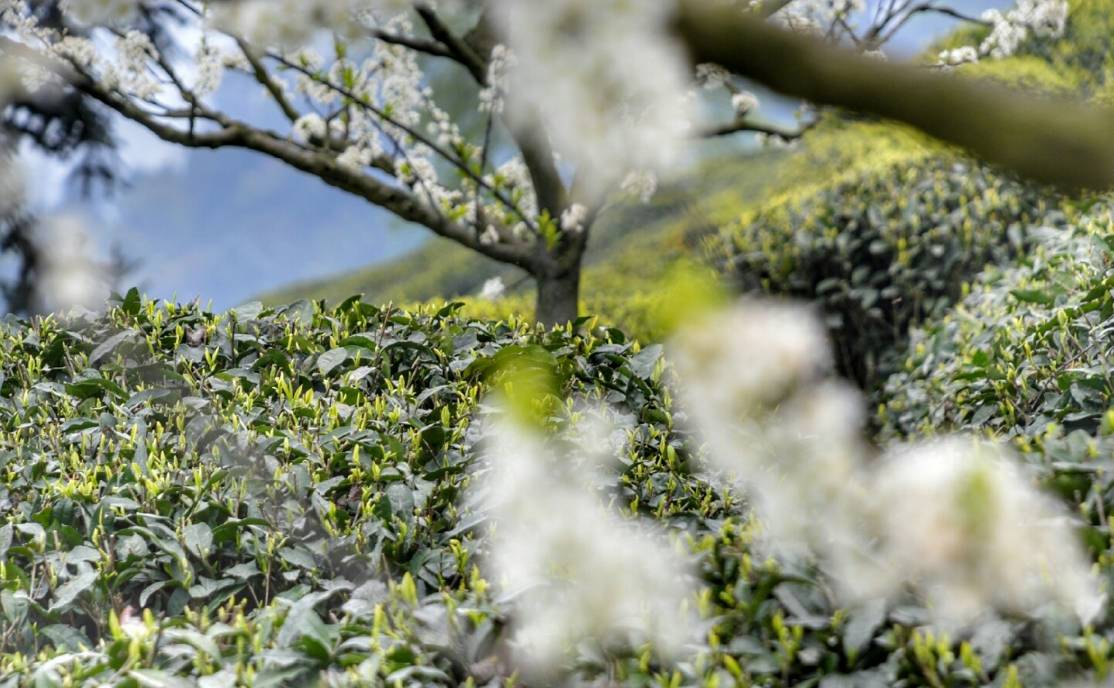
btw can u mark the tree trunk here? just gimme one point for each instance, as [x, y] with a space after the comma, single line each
[558, 296]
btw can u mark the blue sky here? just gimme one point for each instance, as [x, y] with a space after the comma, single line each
[226, 225]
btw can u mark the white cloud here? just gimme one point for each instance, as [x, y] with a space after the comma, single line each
[144, 153]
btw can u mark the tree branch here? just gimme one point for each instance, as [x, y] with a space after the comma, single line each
[1054, 140]
[536, 152]
[434, 48]
[321, 164]
[265, 79]
[457, 49]
[746, 126]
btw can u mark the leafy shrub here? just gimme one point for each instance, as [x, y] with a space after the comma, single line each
[1025, 356]
[232, 474]
[1027, 348]
[883, 250]
[272, 497]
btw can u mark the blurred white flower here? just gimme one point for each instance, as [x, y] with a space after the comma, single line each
[309, 127]
[356, 158]
[749, 355]
[493, 289]
[210, 69]
[290, 23]
[959, 521]
[69, 274]
[957, 56]
[752, 382]
[642, 185]
[744, 102]
[955, 522]
[712, 76]
[572, 220]
[134, 53]
[611, 78]
[1044, 18]
[493, 95]
[490, 236]
[576, 570]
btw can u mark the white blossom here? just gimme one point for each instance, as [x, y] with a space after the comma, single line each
[490, 236]
[210, 69]
[960, 521]
[493, 289]
[78, 50]
[135, 52]
[1044, 18]
[611, 79]
[642, 185]
[311, 126]
[712, 76]
[69, 276]
[356, 157]
[572, 220]
[744, 102]
[954, 522]
[584, 574]
[958, 56]
[492, 96]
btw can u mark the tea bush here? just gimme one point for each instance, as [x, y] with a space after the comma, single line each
[1026, 349]
[884, 249]
[274, 497]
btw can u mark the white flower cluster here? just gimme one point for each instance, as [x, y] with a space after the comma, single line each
[585, 573]
[640, 184]
[815, 16]
[612, 80]
[493, 289]
[135, 51]
[954, 521]
[572, 220]
[493, 95]
[210, 62]
[1008, 30]
[962, 522]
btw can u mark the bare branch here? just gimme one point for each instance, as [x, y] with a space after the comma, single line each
[266, 80]
[1055, 140]
[420, 45]
[536, 151]
[447, 156]
[457, 48]
[321, 164]
[875, 37]
[747, 126]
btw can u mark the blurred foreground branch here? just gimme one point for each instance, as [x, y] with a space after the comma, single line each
[1055, 140]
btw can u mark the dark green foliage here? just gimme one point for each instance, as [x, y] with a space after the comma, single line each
[227, 472]
[883, 250]
[279, 494]
[1028, 348]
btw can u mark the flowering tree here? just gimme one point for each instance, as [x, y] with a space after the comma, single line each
[579, 98]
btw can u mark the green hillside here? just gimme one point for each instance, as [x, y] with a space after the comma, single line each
[442, 269]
